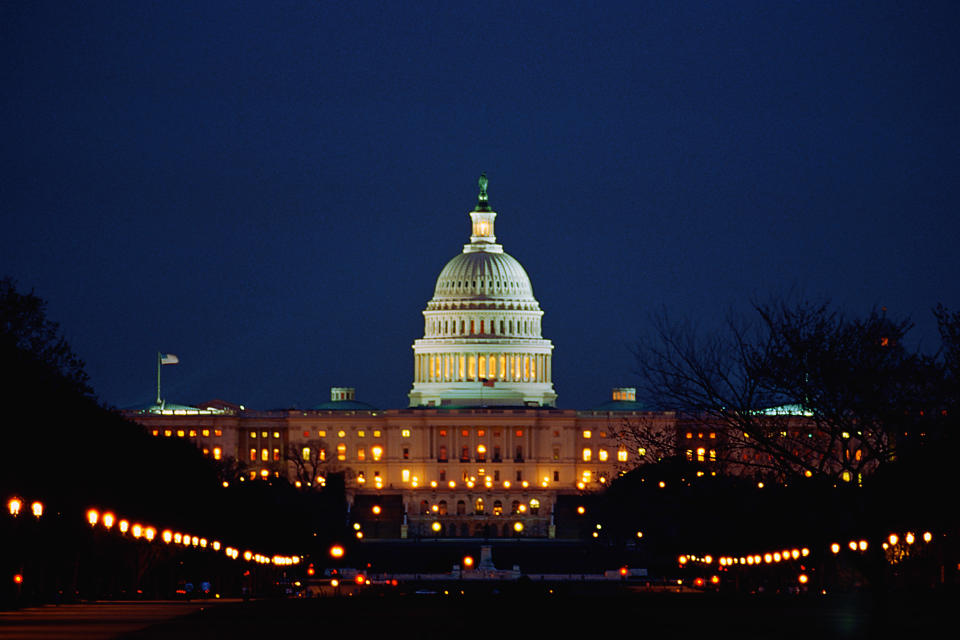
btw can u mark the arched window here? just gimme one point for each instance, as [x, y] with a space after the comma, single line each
[534, 506]
[442, 507]
[497, 508]
[478, 506]
[424, 506]
[465, 454]
[461, 508]
[515, 507]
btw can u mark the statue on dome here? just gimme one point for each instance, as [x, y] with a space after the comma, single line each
[483, 187]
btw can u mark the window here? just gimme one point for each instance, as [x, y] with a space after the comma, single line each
[478, 506]
[602, 454]
[534, 506]
[276, 434]
[253, 434]
[442, 507]
[496, 454]
[519, 433]
[461, 508]
[179, 433]
[322, 454]
[465, 454]
[405, 475]
[556, 476]
[443, 433]
[405, 433]
[519, 475]
[465, 433]
[217, 453]
[515, 507]
[496, 475]
[376, 433]
[167, 433]
[205, 432]
[481, 453]
[443, 475]
[305, 453]
[481, 433]
[497, 508]
[622, 455]
[156, 432]
[377, 452]
[519, 456]
[253, 454]
[361, 434]
[340, 434]
[587, 434]
[701, 454]
[442, 453]
[556, 453]
[218, 432]
[361, 454]
[587, 454]
[193, 433]
[341, 452]
[321, 434]
[406, 453]
[265, 455]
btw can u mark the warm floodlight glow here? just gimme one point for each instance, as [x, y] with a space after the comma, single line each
[108, 519]
[835, 548]
[518, 526]
[37, 509]
[910, 539]
[436, 526]
[124, 526]
[14, 506]
[336, 551]
[893, 539]
[467, 562]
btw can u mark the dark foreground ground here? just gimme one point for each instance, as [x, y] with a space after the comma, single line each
[510, 613]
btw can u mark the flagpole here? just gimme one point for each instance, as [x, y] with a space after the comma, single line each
[158, 378]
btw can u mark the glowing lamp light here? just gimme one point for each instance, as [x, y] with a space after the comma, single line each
[714, 579]
[803, 579]
[518, 526]
[927, 536]
[149, 533]
[124, 526]
[359, 535]
[336, 551]
[108, 519]
[247, 555]
[623, 571]
[682, 559]
[178, 538]
[137, 530]
[360, 579]
[893, 539]
[18, 578]
[376, 509]
[13, 506]
[436, 526]
[37, 509]
[334, 583]
[862, 545]
[768, 558]
[581, 510]
[167, 536]
[468, 562]
[909, 538]
[804, 552]
[853, 545]
[452, 484]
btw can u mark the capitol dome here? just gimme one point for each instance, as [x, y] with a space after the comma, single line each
[482, 343]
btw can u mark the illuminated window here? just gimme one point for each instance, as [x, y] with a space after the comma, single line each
[361, 434]
[156, 432]
[519, 433]
[497, 508]
[713, 455]
[481, 453]
[481, 433]
[322, 454]
[442, 453]
[193, 433]
[622, 455]
[689, 454]
[713, 435]
[465, 454]
[206, 433]
[556, 453]
[305, 453]
[641, 451]
[376, 433]
[276, 434]
[602, 454]
[361, 454]
[587, 434]
[464, 433]
[180, 433]
[341, 452]
[206, 451]
[405, 475]
[406, 453]
[253, 434]
[264, 434]
[587, 454]
[689, 435]
[443, 433]
[167, 433]
[701, 454]
[341, 433]
[217, 432]
[253, 454]
[534, 506]
[264, 454]
[321, 434]
[478, 506]
[377, 452]
[276, 455]
[405, 433]
[217, 453]
[306, 434]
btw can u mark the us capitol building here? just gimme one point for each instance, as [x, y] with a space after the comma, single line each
[481, 451]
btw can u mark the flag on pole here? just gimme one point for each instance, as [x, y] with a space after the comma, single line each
[169, 358]
[488, 382]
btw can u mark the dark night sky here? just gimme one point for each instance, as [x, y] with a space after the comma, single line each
[269, 190]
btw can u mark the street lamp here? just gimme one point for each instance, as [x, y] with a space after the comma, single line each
[14, 506]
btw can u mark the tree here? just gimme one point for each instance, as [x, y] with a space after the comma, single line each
[798, 389]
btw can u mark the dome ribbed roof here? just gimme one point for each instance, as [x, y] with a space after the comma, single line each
[483, 274]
